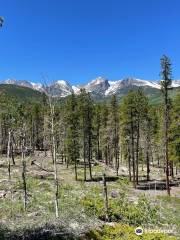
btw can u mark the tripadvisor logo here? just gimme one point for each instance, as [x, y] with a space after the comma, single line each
[138, 231]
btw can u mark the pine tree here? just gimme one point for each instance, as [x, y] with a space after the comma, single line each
[96, 129]
[141, 110]
[174, 132]
[104, 134]
[165, 87]
[150, 130]
[114, 125]
[72, 132]
[86, 118]
[127, 114]
[133, 114]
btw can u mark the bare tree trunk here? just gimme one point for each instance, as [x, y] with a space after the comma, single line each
[129, 162]
[148, 166]
[106, 155]
[54, 162]
[12, 153]
[75, 166]
[117, 161]
[158, 158]
[24, 171]
[44, 137]
[172, 169]
[84, 151]
[89, 156]
[8, 154]
[98, 146]
[106, 208]
[166, 142]
[75, 169]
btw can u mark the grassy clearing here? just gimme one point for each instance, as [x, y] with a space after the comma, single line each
[81, 205]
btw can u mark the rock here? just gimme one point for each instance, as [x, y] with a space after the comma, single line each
[114, 194]
[33, 214]
[111, 224]
[3, 194]
[74, 225]
[123, 169]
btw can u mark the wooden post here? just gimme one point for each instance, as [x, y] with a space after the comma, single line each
[105, 198]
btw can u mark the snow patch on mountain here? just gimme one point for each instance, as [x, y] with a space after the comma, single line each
[76, 90]
[60, 88]
[99, 86]
[148, 83]
[113, 88]
[25, 83]
[175, 83]
[37, 86]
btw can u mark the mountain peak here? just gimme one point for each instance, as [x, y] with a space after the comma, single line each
[98, 80]
[60, 88]
[99, 86]
[25, 83]
[62, 82]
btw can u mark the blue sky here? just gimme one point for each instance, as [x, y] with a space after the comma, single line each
[78, 40]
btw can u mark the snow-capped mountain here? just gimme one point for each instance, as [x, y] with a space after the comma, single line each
[76, 89]
[100, 87]
[115, 86]
[37, 86]
[60, 88]
[97, 86]
[24, 83]
[175, 83]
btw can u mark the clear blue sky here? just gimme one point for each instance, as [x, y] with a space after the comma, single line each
[78, 40]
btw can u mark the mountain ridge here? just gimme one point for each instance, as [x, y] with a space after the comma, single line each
[100, 86]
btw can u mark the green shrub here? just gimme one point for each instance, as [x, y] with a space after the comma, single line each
[121, 210]
[124, 232]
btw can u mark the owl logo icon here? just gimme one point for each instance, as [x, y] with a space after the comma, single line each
[138, 231]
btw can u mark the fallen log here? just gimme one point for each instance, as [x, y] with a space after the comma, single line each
[157, 185]
[33, 162]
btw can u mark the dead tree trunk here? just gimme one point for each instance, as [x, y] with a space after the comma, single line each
[106, 208]
[84, 151]
[89, 156]
[75, 166]
[54, 161]
[148, 166]
[166, 125]
[12, 149]
[129, 161]
[8, 154]
[24, 171]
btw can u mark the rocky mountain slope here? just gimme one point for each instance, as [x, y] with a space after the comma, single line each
[99, 88]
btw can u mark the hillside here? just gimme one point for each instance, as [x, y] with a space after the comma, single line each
[21, 93]
[154, 95]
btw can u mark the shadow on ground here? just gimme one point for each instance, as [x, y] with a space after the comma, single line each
[43, 233]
